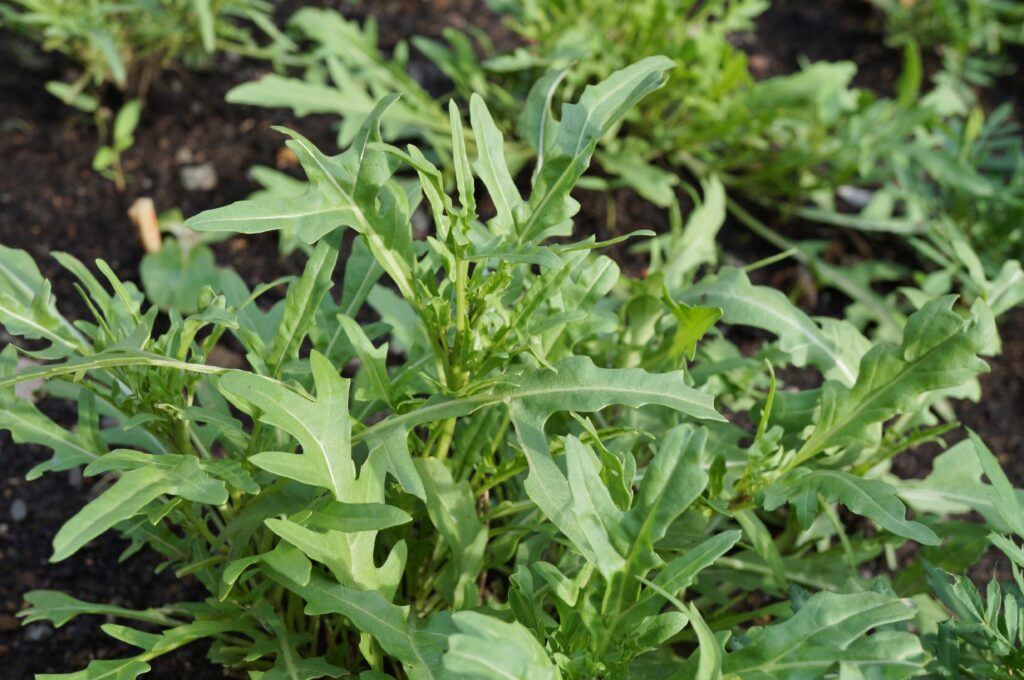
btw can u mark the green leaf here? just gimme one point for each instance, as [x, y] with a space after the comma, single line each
[361, 274]
[487, 648]
[360, 75]
[578, 385]
[205, 16]
[766, 308]
[682, 572]
[393, 442]
[120, 669]
[108, 359]
[37, 318]
[955, 486]
[19, 275]
[355, 517]
[939, 350]
[104, 158]
[593, 513]
[58, 608]
[581, 126]
[350, 189]
[829, 629]
[452, 510]
[672, 481]
[368, 611]
[871, 498]
[1003, 495]
[177, 475]
[321, 425]
[709, 665]
[535, 124]
[302, 97]
[106, 45]
[463, 171]
[351, 557]
[764, 544]
[490, 164]
[373, 360]
[173, 277]
[125, 122]
[28, 425]
[70, 95]
[289, 663]
[692, 323]
[696, 245]
[575, 384]
[302, 301]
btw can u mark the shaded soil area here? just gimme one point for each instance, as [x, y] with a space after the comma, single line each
[51, 199]
[829, 30]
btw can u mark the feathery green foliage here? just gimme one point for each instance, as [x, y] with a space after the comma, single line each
[528, 466]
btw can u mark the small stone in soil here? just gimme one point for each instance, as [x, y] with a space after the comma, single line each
[19, 510]
[38, 632]
[75, 480]
[8, 623]
[183, 156]
[198, 177]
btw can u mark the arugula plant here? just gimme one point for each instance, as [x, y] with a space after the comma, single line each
[107, 160]
[346, 74]
[489, 454]
[929, 170]
[125, 44]
[970, 35]
[984, 638]
[926, 167]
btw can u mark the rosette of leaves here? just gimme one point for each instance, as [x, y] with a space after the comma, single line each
[808, 144]
[971, 36]
[126, 44]
[486, 453]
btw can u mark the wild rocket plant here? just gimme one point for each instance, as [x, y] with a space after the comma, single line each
[486, 453]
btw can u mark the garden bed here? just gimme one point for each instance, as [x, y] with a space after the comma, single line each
[50, 199]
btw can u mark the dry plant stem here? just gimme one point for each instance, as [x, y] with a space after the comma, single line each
[143, 216]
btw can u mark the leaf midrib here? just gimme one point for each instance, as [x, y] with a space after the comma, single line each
[878, 392]
[422, 415]
[812, 337]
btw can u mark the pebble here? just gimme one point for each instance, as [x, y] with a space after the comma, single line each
[857, 197]
[75, 480]
[183, 156]
[19, 510]
[38, 632]
[198, 177]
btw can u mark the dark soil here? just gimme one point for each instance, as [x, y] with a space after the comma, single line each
[828, 30]
[50, 199]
